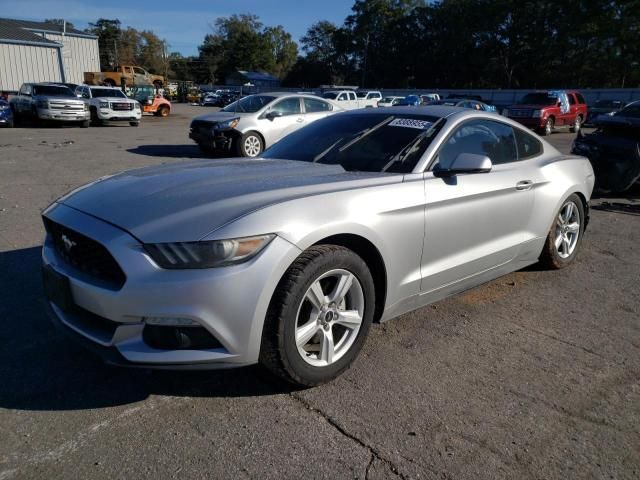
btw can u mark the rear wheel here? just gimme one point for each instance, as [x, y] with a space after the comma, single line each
[577, 124]
[319, 317]
[565, 236]
[163, 111]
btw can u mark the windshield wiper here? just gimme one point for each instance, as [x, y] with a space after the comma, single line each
[366, 133]
[324, 152]
[412, 146]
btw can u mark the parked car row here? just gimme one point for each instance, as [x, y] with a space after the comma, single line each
[83, 105]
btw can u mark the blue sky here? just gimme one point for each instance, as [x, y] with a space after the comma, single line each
[183, 23]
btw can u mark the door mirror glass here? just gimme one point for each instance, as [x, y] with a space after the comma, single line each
[465, 163]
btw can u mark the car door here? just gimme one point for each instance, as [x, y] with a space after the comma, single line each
[290, 119]
[475, 222]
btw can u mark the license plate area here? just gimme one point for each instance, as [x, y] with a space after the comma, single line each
[57, 288]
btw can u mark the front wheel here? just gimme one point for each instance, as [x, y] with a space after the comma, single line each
[249, 145]
[548, 127]
[85, 124]
[565, 236]
[134, 124]
[163, 112]
[319, 317]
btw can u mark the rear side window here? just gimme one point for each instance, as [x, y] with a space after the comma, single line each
[481, 137]
[311, 105]
[288, 106]
[580, 98]
[572, 99]
[528, 145]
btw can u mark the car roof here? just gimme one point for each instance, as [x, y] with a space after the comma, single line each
[100, 86]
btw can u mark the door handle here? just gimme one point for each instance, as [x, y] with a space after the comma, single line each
[299, 119]
[524, 185]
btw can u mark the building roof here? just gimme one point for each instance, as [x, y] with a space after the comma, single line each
[26, 31]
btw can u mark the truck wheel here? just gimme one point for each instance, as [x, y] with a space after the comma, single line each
[548, 127]
[85, 124]
[249, 145]
[35, 120]
[577, 124]
[94, 116]
[134, 124]
[163, 111]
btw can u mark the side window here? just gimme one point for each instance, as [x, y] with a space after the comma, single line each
[311, 105]
[342, 97]
[481, 137]
[572, 99]
[528, 145]
[580, 98]
[288, 106]
[23, 90]
[352, 96]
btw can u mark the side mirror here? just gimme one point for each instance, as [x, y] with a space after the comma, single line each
[273, 114]
[559, 104]
[79, 95]
[465, 163]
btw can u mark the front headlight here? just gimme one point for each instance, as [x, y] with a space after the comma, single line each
[104, 104]
[536, 113]
[138, 106]
[4, 107]
[42, 104]
[207, 254]
[229, 124]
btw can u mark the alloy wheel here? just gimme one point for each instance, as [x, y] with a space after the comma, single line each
[329, 317]
[252, 146]
[567, 229]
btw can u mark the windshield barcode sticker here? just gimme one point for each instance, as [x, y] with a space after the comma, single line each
[410, 123]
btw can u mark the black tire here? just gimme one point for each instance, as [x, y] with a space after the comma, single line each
[551, 258]
[85, 124]
[134, 124]
[577, 124]
[207, 150]
[548, 127]
[279, 352]
[246, 145]
[94, 117]
[163, 112]
[11, 122]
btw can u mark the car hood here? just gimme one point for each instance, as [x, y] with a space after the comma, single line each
[222, 116]
[188, 200]
[115, 99]
[530, 105]
[59, 98]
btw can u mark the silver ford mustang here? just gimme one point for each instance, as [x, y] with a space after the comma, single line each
[287, 259]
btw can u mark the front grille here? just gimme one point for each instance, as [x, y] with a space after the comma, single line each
[85, 254]
[122, 106]
[520, 113]
[66, 106]
[201, 126]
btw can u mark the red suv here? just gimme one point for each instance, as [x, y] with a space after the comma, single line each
[546, 111]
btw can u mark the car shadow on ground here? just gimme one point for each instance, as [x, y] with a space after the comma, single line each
[174, 151]
[42, 369]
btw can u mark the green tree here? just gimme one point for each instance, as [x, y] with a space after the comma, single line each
[108, 33]
[282, 48]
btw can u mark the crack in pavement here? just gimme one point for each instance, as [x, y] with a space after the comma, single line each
[375, 453]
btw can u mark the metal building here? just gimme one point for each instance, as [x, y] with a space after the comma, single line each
[44, 52]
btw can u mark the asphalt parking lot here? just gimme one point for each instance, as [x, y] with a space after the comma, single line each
[534, 375]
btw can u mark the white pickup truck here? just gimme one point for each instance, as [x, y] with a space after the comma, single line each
[350, 100]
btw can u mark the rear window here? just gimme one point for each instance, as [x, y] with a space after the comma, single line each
[312, 105]
[528, 145]
[107, 92]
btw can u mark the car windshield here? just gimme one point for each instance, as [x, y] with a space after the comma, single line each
[250, 104]
[330, 95]
[369, 143]
[539, 99]
[632, 111]
[107, 92]
[56, 90]
[608, 104]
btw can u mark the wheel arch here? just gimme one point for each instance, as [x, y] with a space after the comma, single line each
[372, 257]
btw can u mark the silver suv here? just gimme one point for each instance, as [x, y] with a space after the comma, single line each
[252, 124]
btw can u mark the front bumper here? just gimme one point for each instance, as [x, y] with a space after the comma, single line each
[230, 302]
[108, 115]
[530, 122]
[215, 139]
[63, 115]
